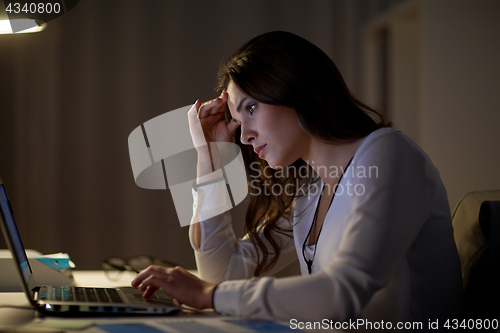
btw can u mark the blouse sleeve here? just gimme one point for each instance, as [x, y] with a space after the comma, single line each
[221, 256]
[381, 225]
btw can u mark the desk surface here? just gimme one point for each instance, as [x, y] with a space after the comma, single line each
[19, 320]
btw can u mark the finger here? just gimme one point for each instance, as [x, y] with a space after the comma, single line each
[162, 277]
[138, 279]
[151, 270]
[153, 282]
[195, 127]
[193, 111]
[221, 107]
[206, 107]
[150, 291]
[179, 270]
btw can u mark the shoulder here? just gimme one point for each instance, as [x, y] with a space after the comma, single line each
[396, 161]
[392, 168]
[388, 137]
[389, 146]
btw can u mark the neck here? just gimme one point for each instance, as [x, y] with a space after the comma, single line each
[330, 160]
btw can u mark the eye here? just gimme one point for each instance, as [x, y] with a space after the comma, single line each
[251, 108]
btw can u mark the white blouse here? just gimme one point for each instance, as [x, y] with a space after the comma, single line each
[385, 252]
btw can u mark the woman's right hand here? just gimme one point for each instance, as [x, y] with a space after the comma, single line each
[211, 136]
[210, 115]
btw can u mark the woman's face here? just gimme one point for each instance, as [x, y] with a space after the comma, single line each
[273, 130]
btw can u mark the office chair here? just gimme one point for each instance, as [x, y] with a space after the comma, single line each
[476, 223]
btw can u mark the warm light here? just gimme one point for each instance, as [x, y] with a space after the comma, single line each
[5, 27]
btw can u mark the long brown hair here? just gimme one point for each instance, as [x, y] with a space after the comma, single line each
[281, 68]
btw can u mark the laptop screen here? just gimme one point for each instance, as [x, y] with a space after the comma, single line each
[13, 240]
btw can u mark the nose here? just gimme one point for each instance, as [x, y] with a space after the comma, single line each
[247, 134]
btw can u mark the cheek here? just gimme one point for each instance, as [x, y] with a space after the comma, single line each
[290, 131]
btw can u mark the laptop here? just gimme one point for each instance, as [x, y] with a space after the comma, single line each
[74, 301]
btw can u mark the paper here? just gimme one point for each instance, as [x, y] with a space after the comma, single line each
[44, 273]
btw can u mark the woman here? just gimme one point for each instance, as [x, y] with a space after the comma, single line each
[371, 228]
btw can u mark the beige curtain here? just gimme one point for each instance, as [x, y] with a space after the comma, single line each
[71, 95]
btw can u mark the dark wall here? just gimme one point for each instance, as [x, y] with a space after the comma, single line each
[71, 95]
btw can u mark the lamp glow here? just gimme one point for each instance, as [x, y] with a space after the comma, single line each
[6, 28]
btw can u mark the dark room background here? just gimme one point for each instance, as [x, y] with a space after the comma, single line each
[71, 95]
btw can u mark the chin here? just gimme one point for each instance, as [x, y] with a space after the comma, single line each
[277, 164]
[271, 164]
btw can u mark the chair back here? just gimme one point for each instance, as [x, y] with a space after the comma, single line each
[476, 223]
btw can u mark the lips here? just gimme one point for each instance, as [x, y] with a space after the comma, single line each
[259, 149]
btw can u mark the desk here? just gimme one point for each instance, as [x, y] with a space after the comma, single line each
[27, 321]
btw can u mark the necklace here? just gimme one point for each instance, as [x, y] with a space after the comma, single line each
[309, 262]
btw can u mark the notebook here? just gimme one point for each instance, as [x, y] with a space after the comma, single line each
[73, 301]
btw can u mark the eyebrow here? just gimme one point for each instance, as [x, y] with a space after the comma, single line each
[238, 109]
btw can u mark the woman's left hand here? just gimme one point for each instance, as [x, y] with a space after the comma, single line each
[178, 283]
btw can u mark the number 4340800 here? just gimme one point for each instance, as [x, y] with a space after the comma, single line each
[33, 8]
[471, 324]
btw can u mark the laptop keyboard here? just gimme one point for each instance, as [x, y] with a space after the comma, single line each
[80, 294]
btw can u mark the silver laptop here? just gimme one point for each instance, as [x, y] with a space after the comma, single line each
[74, 301]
